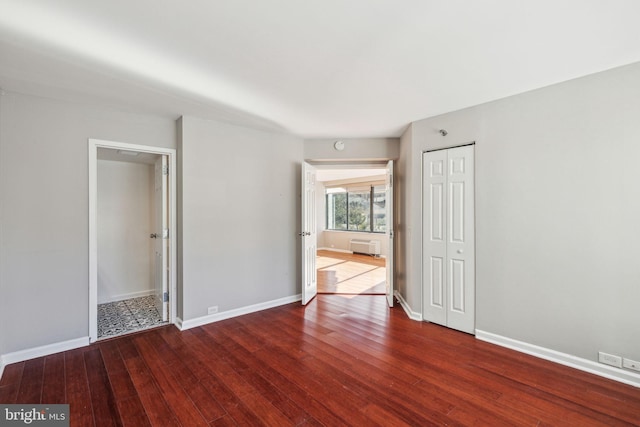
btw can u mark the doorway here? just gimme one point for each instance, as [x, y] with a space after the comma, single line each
[448, 206]
[132, 246]
[351, 229]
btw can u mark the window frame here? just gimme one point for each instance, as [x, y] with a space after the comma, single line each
[371, 215]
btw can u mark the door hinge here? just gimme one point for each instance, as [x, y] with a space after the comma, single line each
[391, 180]
[165, 297]
[165, 170]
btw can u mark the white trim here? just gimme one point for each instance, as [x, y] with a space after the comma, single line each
[1, 367]
[178, 323]
[344, 251]
[130, 295]
[45, 350]
[94, 144]
[199, 321]
[586, 365]
[413, 315]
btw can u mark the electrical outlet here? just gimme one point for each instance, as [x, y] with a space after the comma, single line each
[631, 364]
[610, 359]
[212, 310]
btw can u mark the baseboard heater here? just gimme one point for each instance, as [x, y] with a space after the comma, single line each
[363, 246]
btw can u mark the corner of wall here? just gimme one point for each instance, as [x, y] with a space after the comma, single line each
[413, 315]
[179, 215]
[44, 350]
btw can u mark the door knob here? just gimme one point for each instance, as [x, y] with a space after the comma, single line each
[154, 236]
[460, 251]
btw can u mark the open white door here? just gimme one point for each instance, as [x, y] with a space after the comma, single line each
[161, 236]
[389, 219]
[308, 233]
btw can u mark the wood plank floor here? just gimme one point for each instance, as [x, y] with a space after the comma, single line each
[343, 273]
[342, 360]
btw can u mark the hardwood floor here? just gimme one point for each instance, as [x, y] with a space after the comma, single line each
[343, 273]
[342, 360]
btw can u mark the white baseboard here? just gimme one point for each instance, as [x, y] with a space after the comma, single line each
[199, 321]
[130, 295]
[413, 315]
[586, 365]
[344, 251]
[45, 350]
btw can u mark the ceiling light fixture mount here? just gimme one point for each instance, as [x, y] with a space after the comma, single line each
[338, 145]
[443, 132]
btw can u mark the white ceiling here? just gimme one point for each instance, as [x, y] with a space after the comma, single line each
[315, 68]
[324, 175]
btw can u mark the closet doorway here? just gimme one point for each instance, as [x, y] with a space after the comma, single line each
[132, 244]
[449, 238]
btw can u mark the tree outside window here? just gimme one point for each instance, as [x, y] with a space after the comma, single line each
[356, 210]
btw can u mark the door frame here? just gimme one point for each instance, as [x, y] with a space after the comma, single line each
[366, 164]
[93, 146]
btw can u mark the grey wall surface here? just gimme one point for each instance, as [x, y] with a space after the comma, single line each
[403, 220]
[44, 201]
[360, 149]
[240, 216]
[557, 208]
[126, 256]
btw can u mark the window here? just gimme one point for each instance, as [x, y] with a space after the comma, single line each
[337, 209]
[379, 213]
[357, 209]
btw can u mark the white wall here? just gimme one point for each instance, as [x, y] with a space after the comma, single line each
[321, 220]
[341, 240]
[44, 200]
[557, 208]
[240, 215]
[404, 205]
[125, 221]
[356, 149]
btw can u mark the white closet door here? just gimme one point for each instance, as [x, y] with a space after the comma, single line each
[449, 238]
[460, 240]
[434, 258]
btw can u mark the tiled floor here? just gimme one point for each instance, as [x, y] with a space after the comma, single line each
[121, 317]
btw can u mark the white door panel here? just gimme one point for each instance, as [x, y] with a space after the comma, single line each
[448, 204]
[161, 225]
[434, 241]
[308, 234]
[389, 232]
[436, 286]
